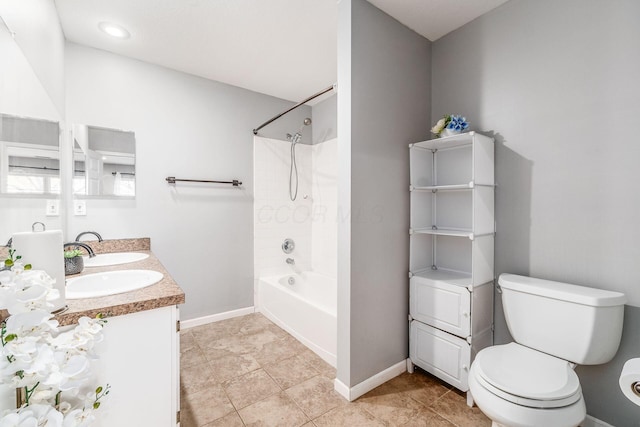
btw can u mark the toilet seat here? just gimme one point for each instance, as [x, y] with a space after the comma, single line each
[527, 377]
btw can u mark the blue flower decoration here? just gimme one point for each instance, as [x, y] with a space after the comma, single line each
[457, 123]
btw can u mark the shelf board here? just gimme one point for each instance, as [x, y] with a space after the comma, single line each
[453, 187]
[455, 278]
[443, 232]
[452, 141]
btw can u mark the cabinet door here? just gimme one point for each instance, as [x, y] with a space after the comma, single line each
[445, 306]
[138, 358]
[445, 356]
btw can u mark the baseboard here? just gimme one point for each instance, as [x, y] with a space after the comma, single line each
[370, 383]
[186, 324]
[594, 422]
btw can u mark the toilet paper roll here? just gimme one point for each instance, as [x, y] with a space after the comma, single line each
[43, 250]
[630, 380]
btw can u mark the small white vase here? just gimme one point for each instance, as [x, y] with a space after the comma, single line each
[449, 132]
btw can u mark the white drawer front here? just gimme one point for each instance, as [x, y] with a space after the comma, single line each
[445, 356]
[447, 307]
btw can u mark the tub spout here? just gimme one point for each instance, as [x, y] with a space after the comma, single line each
[290, 261]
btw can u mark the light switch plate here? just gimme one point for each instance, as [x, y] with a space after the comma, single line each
[53, 208]
[79, 207]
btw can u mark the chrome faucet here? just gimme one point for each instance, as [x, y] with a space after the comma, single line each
[89, 232]
[290, 261]
[82, 245]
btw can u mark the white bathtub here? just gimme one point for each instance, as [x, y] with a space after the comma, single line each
[306, 309]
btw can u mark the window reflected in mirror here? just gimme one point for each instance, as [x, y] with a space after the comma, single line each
[29, 156]
[104, 162]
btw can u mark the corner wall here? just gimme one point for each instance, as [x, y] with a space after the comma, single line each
[383, 105]
[556, 82]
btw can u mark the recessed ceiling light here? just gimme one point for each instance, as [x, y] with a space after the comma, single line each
[114, 30]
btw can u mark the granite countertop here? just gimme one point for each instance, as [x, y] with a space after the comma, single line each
[164, 293]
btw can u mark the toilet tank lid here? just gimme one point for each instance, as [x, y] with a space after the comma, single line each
[562, 291]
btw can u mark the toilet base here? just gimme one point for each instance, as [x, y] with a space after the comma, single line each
[506, 414]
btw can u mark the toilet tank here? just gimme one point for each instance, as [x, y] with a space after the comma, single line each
[575, 323]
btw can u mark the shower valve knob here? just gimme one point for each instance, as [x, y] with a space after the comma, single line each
[288, 246]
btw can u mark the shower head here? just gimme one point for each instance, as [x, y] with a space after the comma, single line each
[295, 138]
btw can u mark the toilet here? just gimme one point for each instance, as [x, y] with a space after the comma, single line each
[531, 382]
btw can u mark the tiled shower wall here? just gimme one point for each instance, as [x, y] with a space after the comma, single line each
[310, 220]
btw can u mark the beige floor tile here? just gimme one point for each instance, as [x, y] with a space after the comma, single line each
[273, 352]
[347, 415]
[250, 388]
[238, 344]
[316, 396]
[276, 330]
[317, 363]
[197, 377]
[428, 418]
[253, 323]
[389, 405]
[293, 344]
[191, 357]
[277, 411]
[228, 367]
[231, 420]
[291, 371]
[210, 332]
[187, 341]
[205, 406]
[453, 407]
[420, 386]
[225, 347]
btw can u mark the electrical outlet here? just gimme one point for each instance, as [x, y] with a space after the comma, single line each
[79, 207]
[53, 208]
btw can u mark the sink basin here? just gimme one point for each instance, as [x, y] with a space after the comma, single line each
[110, 283]
[103, 260]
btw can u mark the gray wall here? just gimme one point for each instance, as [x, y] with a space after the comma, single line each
[389, 108]
[187, 127]
[556, 82]
[325, 120]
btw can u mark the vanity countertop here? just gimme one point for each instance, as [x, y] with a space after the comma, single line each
[164, 293]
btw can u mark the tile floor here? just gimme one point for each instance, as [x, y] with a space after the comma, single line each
[246, 371]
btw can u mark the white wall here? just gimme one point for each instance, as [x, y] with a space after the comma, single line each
[186, 127]
[324, 225]
[556, 82]
[310, 220]
[276, 217]
[39, 34]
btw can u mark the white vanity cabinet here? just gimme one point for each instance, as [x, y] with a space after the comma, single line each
[451, 254]
[139, 358]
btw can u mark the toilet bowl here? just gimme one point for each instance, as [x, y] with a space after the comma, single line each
[531, 382]
[516, 386]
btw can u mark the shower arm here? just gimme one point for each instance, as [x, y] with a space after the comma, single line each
[273, 119]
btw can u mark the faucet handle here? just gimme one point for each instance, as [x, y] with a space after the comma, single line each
[288, 246]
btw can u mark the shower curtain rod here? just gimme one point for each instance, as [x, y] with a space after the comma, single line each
[322, 92]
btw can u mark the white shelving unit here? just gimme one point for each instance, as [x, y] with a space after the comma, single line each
[451, 254]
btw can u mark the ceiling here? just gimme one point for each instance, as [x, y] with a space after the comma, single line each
[283, 48]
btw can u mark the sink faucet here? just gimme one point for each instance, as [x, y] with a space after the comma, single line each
[89, 232]
[9, 242]
[290, 261]
[82, 245]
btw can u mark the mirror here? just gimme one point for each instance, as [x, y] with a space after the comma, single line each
[29, 156]
[104, 162]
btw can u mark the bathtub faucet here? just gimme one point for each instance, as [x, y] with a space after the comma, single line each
[290, 261]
